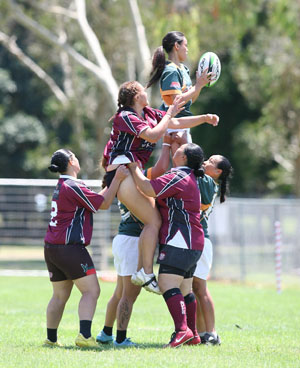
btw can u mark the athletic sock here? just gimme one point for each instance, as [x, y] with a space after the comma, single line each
[85, 328]
[52, 334]
[121, 336]
[108, 330]
[191, 312]
[177, 308]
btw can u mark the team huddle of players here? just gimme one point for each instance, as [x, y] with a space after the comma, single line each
[157, 205]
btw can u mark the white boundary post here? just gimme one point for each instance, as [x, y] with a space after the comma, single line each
[278, 244]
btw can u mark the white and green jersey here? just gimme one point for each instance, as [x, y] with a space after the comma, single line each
[209, 190]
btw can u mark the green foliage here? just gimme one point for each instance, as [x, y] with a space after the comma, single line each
[257, 96]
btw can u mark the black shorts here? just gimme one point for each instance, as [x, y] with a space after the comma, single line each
[178, 261]
[109, 177]
[68, 262]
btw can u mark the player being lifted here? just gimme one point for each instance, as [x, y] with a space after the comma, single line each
[136, 128]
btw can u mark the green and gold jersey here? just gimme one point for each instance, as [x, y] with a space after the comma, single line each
[175, 80]
[209, 190]
[129, 224]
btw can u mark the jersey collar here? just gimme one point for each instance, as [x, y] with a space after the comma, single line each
[69, 177]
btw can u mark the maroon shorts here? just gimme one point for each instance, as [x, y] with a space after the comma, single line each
[68, 262]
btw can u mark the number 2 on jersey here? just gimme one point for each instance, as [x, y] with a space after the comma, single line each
[53, 213]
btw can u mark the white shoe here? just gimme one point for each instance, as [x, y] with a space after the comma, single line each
[148, 281]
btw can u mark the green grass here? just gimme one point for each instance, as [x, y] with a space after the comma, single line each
[268, 336]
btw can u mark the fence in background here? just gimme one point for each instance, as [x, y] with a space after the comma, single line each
[241, 230]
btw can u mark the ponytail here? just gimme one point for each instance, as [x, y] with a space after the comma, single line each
[226, 174]
[159, 58]
[158, 65]
[195, 157]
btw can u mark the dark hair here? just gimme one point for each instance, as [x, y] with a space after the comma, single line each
[226, 174]
[60, 160]
[159, 59]
[127, 92]
[195, 158]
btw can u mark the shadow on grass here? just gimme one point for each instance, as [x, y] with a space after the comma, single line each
[105, 347]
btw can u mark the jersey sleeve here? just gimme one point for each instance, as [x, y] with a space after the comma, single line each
[166, 185]
[85, 197]
[130, 123]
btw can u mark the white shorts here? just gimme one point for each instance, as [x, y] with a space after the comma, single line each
[205, 262]
[125, 251]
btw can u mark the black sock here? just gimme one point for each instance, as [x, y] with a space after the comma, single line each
[52, 334]
[85, 328]
[121, 336]
[108, 330]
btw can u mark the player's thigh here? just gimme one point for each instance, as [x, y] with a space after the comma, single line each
[138, 204]
[62, 289]
[88, 284]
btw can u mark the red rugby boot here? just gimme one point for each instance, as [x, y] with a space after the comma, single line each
[179, 338]
[196, 340]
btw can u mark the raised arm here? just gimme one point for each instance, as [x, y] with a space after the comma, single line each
[192, 121]
[153, 135]
[110, 193]
[193, 92]
[141, 181]
[163, 161]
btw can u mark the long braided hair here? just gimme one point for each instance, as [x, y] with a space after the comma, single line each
[227, 172]
[159, 58]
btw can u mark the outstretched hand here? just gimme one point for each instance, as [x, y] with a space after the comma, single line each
[177, 106]
[212, 119]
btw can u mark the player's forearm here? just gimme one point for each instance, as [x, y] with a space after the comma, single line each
[162, 163]
[110, 193]
[192, 93]
[192, 121]
[153, 135]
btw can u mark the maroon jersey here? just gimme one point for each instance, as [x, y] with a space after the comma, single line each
[178, 199]
[73, 204]
[125, 136]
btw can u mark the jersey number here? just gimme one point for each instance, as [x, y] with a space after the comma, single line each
[53, 213]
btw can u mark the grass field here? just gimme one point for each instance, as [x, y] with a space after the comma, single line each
[258, 328]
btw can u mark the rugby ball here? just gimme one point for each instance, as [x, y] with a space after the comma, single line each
[211, 61]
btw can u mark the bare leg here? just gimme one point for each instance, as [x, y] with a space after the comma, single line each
[130, 293]
[206, 303]
[144, 209]
[112, 305]
[56, 306]
[201, 327]
[90, 290]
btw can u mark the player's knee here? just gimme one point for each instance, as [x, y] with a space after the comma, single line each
[197, 288]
